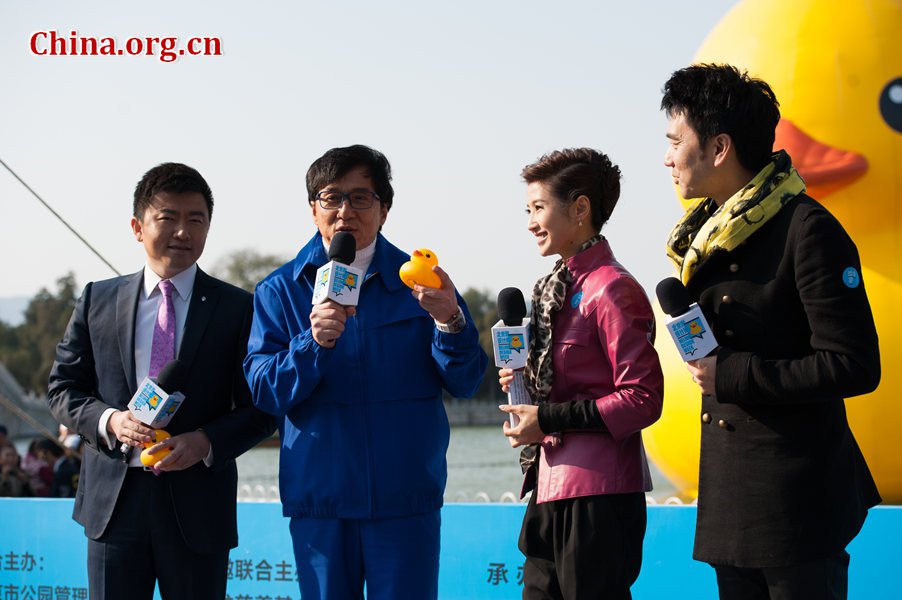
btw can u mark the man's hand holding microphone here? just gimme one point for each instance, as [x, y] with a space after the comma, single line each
[332, 304]
[160, 451]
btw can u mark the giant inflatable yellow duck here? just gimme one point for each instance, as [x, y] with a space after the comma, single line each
[836, 68]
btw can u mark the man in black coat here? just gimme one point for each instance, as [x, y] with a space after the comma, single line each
[173, 525]
[783, 486]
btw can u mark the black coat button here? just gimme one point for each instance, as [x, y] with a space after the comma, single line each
[723, 424]
[727, 299]
[706, 418]
[734, 268]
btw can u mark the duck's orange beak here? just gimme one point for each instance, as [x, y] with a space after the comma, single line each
[417, 253]
[824, 168]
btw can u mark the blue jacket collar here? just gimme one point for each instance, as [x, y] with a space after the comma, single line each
[386, 262]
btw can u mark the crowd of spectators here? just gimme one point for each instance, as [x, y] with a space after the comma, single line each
[49, 468]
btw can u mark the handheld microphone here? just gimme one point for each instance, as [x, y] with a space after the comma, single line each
[155, 402]
[686, 323]
[337, 280]
[510, 339]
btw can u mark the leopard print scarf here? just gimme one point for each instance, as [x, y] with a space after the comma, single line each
[547, 298]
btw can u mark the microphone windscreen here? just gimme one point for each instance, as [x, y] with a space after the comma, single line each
[343, 248]
[673, 296]
[172, 376]
[511, 306]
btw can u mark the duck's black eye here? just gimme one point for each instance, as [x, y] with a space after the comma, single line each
[891, 104]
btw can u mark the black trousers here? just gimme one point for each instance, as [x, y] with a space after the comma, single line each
[578, 548]
[143, 545]
[826, 579]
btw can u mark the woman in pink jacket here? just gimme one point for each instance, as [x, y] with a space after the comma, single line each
[595, 381]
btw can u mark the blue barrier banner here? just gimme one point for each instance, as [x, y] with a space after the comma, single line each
[43, 554]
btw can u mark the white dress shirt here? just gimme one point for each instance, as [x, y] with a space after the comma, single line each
[145, 318]
[149, 306]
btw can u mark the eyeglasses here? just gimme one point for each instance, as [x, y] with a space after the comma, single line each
[358, 199]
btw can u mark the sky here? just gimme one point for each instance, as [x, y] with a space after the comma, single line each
[459, 96]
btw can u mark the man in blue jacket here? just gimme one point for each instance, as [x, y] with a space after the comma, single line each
[359, 391]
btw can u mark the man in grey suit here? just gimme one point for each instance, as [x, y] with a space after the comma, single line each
[173, 524]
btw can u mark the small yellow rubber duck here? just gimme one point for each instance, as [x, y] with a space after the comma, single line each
[418, 270]
[149, 460]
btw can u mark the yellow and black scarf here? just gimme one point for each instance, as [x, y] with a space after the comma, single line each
[705, 228]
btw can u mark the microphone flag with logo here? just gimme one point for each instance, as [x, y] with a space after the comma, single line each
[686, 323]
[337, 280]
[510, 339]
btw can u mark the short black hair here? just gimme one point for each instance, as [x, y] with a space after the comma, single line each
[170, 177]
[575, 172]
[719, 98]
[338, 162]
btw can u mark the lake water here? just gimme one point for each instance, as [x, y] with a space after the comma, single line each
[482, 467]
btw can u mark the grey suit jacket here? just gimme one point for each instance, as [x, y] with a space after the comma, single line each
[95, 370]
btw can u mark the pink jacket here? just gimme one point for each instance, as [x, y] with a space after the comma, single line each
[603, 349]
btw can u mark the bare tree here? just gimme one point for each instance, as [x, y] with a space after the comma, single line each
[245, 268]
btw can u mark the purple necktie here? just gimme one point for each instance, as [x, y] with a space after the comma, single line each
[162, 350]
